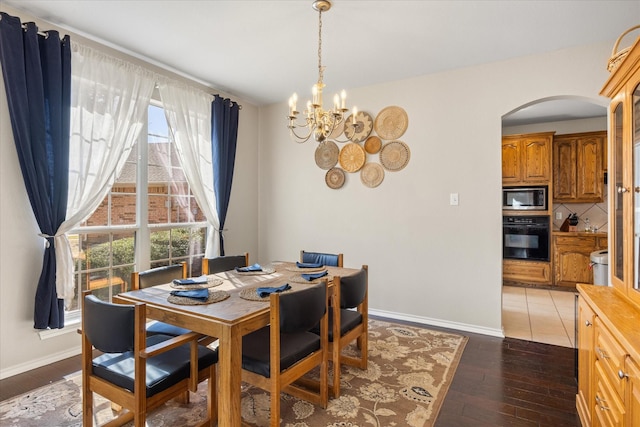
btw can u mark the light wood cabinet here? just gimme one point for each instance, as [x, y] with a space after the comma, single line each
[584, 399]
[532, 272]
[526, 159]
[614, 375]
[578, 169]
[572, 256]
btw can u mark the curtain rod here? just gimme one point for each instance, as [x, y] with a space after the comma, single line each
[237, 103]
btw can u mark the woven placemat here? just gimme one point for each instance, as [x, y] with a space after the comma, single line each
[308, 269]
[251, 294]
[212, 282]
[300, 279]
[265, 270]
[214, 296]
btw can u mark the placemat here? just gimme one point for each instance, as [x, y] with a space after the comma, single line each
[299, 279]
[212, 282]
[265, 270]
[251, 294]
[214, 296]
[308, 269]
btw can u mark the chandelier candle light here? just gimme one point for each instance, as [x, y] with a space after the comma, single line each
[320, 123]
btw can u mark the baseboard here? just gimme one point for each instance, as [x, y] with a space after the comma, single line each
[438, 322]
[37, 363]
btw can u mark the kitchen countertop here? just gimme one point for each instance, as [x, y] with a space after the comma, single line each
[578, 233]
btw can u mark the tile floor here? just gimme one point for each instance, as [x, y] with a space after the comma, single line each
[539, 315]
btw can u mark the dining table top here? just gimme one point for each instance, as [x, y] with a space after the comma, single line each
[235, 308]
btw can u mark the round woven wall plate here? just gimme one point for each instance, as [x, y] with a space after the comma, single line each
[394, 155]
[372, 175]
[352, 157]
[391, 122]
[361, 130]
[372, 145]
[334, 178]
[327, 154]
[339, 130]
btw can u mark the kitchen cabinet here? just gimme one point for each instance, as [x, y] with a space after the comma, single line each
[578, 167]
[529, 272]
[572, 256]
[613, 376]
[608, 358]
[584, 399]
[526, 159]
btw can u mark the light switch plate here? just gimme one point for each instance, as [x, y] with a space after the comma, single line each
[559, 215]
[453, 199]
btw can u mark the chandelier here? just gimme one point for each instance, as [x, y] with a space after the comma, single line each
[318, 122]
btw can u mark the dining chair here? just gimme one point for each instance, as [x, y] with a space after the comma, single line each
[276, 355]
[136, 372]
[333, 260]
[348, 321]
[224, 263]
[160, 276]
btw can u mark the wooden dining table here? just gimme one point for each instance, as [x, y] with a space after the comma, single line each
[228, 320]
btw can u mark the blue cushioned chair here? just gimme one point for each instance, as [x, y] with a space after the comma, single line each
[136, 372]
[333, 260]
[224, 263]
[348, 322]
[160, 276]
[275, 356]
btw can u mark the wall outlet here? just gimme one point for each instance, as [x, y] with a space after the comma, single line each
[453, 199]
[558, 215]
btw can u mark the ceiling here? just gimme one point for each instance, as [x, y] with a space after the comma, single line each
[262, 51]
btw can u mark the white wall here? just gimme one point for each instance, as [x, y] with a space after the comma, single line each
[428, 261]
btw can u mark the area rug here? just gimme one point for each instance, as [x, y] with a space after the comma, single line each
[410, 370]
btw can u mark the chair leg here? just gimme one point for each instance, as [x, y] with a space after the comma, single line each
[275, 404]
[87, 408]
[212, 396]
[335, 361]
[183, 398]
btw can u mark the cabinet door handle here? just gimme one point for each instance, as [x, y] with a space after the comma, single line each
[622, 375]
[600, 402]
[587, 323]
[622, 190]
[602, 353]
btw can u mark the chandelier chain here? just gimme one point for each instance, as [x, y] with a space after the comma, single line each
[320, 70]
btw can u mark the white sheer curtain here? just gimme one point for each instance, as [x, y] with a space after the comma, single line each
[188, 112]
[109, 100]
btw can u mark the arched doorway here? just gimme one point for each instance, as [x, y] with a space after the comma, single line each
[543, 313]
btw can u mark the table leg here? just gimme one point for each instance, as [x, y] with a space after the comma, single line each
[230, 376]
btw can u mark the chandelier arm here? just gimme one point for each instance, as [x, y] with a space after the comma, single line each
[297, 138]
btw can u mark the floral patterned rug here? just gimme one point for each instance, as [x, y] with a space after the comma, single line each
[409, 373]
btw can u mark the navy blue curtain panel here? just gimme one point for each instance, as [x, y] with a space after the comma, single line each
[224, 136]
[37, 76]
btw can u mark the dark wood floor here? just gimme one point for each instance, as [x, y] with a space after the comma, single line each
[499, 382]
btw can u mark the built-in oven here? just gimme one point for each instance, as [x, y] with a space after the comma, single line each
[526, 237]
[525, 198]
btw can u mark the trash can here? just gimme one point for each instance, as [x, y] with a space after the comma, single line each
[600, 265]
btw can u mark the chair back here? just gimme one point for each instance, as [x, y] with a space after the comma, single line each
[353, 289]
[119, 336]
[224, 263]
[158, 276]
[333, 260]
[302, 310]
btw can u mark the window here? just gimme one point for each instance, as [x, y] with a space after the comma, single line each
[150, 218]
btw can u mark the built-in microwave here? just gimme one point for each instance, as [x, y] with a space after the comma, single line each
[524, 198]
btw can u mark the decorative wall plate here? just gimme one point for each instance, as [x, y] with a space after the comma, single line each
[334, 178]
[372, 145]
[352, 157]
[361, 130]
[327, 154]
[339, 130]
[394, 155]
[372, 174]
[391, 122]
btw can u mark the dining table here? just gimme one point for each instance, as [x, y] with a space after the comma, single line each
[240, 311]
